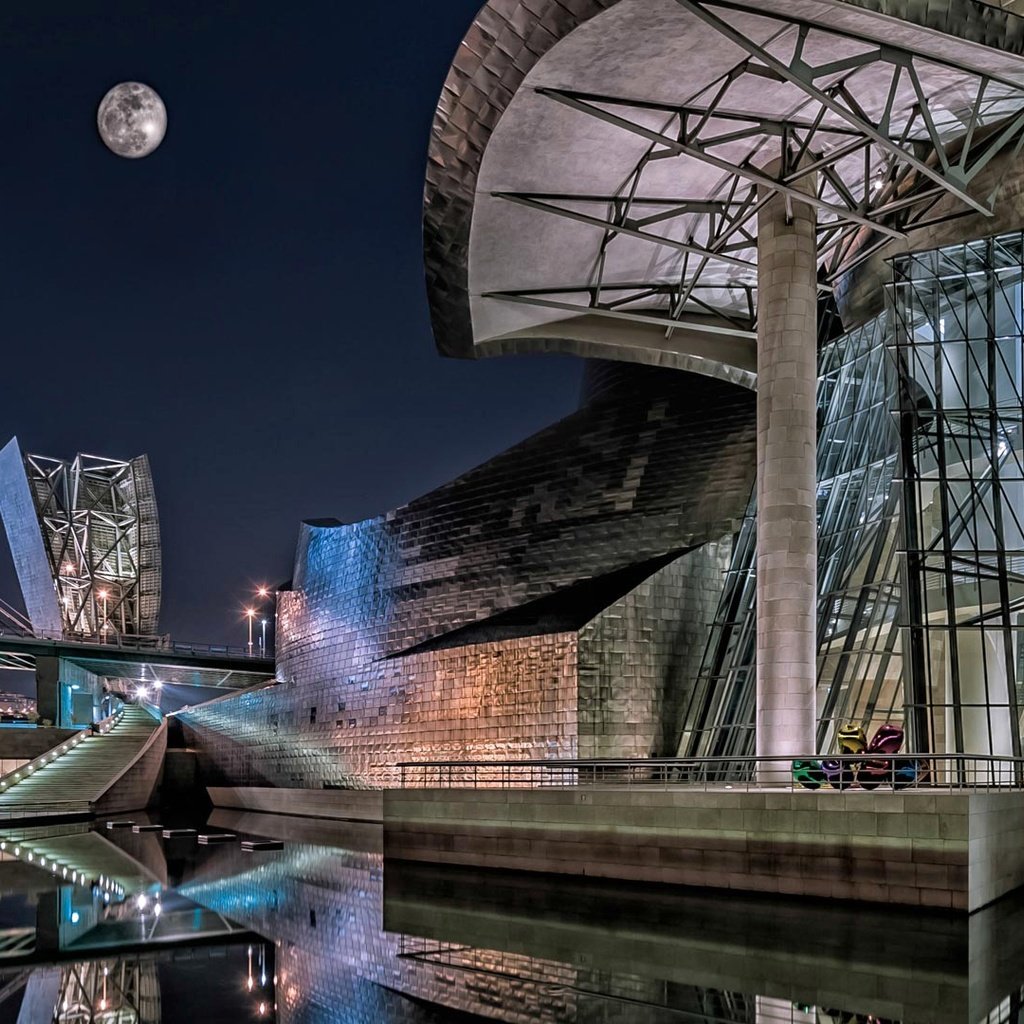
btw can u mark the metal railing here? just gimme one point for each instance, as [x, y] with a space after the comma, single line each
[839, 772]
[11, 779]
[141, 642]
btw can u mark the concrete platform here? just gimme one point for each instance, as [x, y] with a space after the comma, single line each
[931, 848]
[338, 804]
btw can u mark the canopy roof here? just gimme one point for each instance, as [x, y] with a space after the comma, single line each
[596, 167]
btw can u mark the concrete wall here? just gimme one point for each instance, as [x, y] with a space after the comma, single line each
[136, 787]
[881, 847]
[26, 744]
[996, 845]
[341, 804]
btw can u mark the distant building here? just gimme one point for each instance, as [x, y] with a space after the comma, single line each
[16, 706]
[85, 539]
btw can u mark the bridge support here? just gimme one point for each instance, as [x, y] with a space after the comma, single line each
[48, 688]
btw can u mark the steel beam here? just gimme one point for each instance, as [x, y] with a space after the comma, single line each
[805, 82]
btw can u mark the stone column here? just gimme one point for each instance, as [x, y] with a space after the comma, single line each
[48, 688]
[787, 542]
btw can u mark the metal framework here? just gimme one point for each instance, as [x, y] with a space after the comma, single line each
[98, 518]
[121, 991]
[859, 116]
[920, 517]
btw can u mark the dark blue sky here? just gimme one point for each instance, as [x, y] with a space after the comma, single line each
[246, 305]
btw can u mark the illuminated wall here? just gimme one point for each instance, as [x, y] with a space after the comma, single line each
[552, 602]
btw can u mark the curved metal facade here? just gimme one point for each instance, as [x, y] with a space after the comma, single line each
[552, 197]
[548, 603]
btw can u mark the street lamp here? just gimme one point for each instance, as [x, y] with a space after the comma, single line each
[250, 614]
[263, 592]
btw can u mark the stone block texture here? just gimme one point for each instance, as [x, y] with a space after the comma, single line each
[552, 602]
[915, 849]
[787, 374]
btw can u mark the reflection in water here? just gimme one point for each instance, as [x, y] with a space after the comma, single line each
[351, 941]
[123, 991]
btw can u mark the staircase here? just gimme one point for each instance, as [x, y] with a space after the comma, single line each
[80, 777]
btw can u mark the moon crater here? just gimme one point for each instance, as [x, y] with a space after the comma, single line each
[132, 120]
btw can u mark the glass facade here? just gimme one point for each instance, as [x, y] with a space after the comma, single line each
[920, 520]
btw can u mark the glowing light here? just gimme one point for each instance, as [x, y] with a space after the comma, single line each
[141, 901]
[74, 917]
[251, 612]
[263, 591]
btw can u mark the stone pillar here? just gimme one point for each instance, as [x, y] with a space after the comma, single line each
[787, 542]
[48, 688]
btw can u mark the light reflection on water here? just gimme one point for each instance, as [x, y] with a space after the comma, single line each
[321, 932]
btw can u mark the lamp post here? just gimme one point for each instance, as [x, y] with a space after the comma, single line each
[103, 595]
[263, 592]
[250, 614]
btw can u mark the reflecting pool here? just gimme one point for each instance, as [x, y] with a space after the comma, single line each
[122, 926]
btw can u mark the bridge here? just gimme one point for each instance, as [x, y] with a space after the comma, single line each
[72, 674]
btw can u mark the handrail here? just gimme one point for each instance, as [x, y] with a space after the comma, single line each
[144, 642]
[745, 772]
[47, 757]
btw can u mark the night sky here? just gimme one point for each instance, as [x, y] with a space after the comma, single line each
[246, 305]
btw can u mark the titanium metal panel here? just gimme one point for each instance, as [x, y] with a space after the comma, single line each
[533, 214]
[25, 537]
[150, 560]
[548, 603]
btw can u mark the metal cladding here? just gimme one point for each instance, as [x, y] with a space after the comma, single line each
[86, 543]
[28, 547]
[573, 181]
[549, 602]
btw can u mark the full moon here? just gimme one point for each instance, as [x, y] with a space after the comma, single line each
[132, 120]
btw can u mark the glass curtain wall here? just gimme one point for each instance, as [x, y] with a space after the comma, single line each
[920, 518]
[958, 336]
[859, 663]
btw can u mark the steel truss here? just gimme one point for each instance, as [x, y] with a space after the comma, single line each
[877, 175]
[92, 521]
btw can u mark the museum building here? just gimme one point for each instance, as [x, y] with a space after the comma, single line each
[787, 239]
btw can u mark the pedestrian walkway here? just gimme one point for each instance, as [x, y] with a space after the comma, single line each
[81, 776]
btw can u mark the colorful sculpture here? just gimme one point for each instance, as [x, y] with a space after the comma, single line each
[870, 773]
